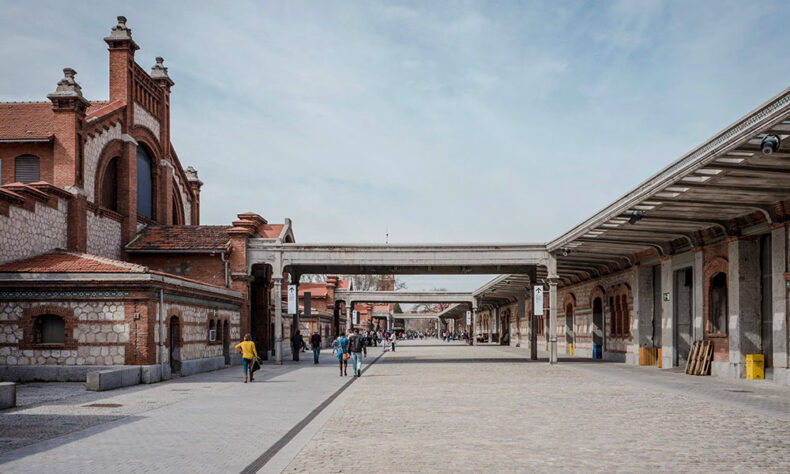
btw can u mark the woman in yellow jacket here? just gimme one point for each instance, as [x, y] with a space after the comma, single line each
[248, 354]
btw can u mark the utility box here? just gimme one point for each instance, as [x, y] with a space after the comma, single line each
[597, 351]
[570, 348]
[755, 366]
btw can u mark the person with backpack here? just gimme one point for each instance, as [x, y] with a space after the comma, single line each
[296, 345]
[340, 346]
[248, 354]
[315, 342]
[356, 346]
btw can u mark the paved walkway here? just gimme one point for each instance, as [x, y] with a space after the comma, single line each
[486, 409]
[429, 407]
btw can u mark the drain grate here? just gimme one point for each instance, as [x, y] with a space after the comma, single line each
[739, 391]
[104, 405]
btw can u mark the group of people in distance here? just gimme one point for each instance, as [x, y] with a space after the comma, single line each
[448, 336]
[354, 347]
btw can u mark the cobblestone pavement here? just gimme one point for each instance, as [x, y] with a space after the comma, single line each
[210, 422]
[434, 408]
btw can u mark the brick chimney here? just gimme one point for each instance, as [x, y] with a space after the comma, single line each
[122, 48]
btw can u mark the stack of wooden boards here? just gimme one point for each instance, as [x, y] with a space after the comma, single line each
[699, 359]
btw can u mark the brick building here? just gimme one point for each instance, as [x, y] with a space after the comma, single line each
[102, 258]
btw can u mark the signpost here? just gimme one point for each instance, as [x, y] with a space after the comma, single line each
[468, 318]
[355, 317]
[537, 300]
[292, 299]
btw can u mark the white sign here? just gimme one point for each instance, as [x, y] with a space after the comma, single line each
[468, 318]
[292, 299]
[537, 300]
[355, 317]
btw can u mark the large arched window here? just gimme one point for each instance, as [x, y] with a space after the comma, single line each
[49, 329]
[717, 308]
[145, 183]
[178, 207]
[27, 169]
[109, 186]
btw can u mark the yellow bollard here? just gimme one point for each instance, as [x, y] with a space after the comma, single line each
[570, 348]
[755, 366]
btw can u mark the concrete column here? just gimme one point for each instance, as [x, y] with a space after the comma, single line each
[552, 279]
[295, 321]
[349, 322]
[277, 298]
[779, 304]
[521, 306]
[472, 330]
[668, 345]
[641, 326]
[491, 323]
[744, 303]
[698, 275]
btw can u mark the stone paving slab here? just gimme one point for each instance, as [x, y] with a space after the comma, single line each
[428, 408]
[210, 422]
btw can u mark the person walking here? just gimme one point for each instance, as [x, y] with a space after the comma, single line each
[296, 344]
[315, 342]
[248, 355]
[356, 346]
[393, 338]
[340, 346]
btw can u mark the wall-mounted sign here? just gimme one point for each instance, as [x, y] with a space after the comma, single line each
[468, 318]
[355, 317]
[537, 300]
[666, 296]
[292, 299]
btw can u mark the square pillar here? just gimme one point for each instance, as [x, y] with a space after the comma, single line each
[521, 305]
[277, 298]
[668, 346]
[744, 302]
[698, 275]
[642, 323]
[779, 305]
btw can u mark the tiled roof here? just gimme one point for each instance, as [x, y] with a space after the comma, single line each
[271, 231]
[26, 120]
[181, 237]
[101, 108]
[61, 261]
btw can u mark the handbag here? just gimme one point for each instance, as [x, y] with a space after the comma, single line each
[256, 364]
[346, 356]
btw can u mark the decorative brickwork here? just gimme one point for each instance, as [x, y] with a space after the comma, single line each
[93, 151]
[142, 117]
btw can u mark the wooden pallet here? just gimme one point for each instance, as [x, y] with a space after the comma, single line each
[700, 355]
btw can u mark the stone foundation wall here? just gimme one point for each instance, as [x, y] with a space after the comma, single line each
[100, 331]
[194, 324]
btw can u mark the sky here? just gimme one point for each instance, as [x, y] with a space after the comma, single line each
[457, 121]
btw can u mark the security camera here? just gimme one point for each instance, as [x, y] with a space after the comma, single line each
[636, 216]
[507, 282]
[770, 144]
[566, 251]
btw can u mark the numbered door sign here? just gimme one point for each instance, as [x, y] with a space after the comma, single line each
[292, 299]
[537, 300]
[468, 318]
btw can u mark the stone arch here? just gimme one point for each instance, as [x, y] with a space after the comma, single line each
[112, 150]
[714, 272]
[151, 145]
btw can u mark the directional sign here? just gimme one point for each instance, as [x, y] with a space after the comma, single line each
[292, 299]
[355, 317]
[537, 300]
[468, 318]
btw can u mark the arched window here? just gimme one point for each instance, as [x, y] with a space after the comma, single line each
[145, 183]
[49, 329]
[625, 322]
[27, 169]
[717, 308]
[109, 186]
[178, 207]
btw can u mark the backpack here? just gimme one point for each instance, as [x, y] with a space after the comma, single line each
[355, 343]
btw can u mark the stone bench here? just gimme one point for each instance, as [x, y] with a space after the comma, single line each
[7, 395]
[113, 378]
[196, 366]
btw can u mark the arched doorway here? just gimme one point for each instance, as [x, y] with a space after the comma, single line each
[174, 337]
[226, 342]
[504, 325]
[597, 328]
[568, 327]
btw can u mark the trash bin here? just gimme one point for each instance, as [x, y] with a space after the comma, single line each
[597, 351]
[755, 366]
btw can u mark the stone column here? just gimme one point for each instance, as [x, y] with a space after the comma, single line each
[552, 279]
[521, 306]
[641, 326]
[698, 275]
[277, 298]
[744, 303]
[667, 314]
[295, 321]
[779, 305]
[472, 330]
[491, 323]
